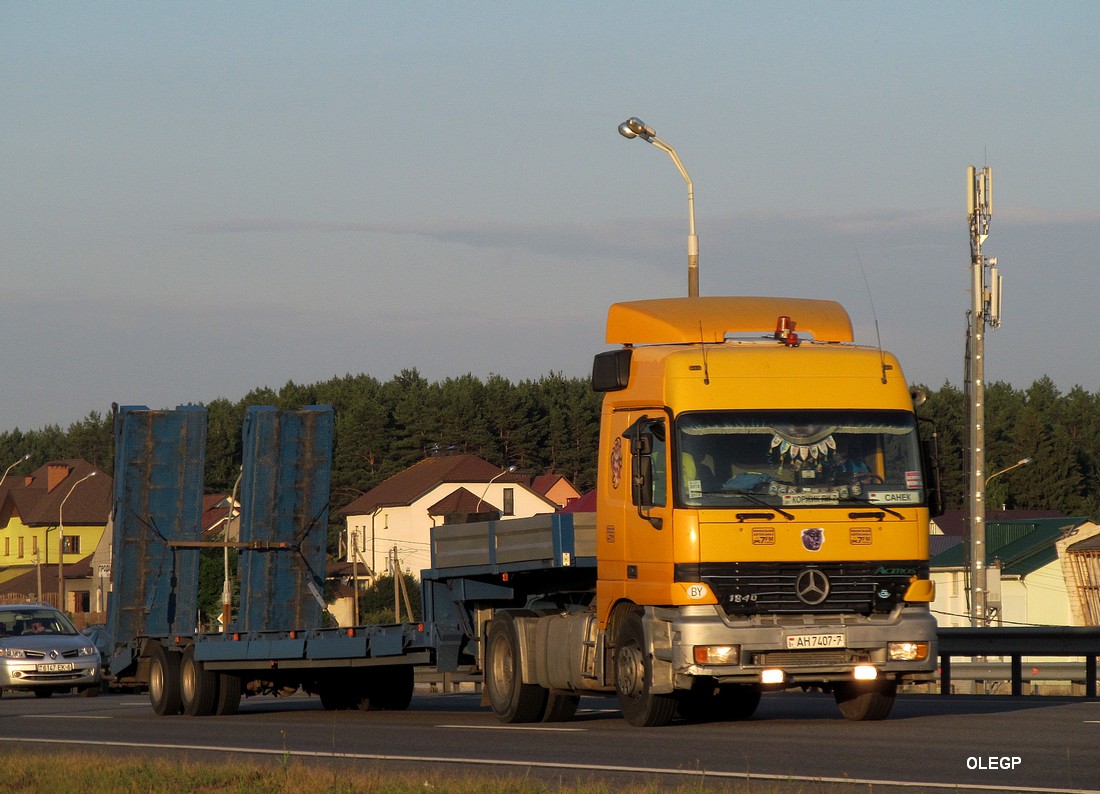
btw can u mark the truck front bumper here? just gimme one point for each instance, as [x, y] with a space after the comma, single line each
[802, 650]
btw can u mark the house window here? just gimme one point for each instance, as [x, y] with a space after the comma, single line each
[7, 547]
[20, 554]
[509, 502]
[34, 546]
[71, 544]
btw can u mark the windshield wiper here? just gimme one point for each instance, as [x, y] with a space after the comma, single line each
[862, 501]
[756, 500]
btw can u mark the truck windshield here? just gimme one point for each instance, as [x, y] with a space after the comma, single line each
[803, 458]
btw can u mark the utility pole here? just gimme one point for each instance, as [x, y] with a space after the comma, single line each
[985, 310]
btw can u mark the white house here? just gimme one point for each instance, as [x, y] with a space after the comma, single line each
[1036, 570]
[401, 511]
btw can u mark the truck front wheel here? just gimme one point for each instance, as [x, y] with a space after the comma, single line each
[858, 701]
[634, 673]
[511, 699]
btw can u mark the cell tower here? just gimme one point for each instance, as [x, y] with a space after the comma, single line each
[985, 310]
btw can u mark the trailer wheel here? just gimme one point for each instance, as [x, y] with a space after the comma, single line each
[511, 699]
[229, 695]
[859, 702]
[633, 674]
[198, 686]
[164, 681]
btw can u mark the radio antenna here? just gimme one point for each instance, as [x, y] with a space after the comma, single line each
[874, 316]
[703, 347]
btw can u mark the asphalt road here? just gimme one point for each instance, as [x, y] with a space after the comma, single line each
[930, 743]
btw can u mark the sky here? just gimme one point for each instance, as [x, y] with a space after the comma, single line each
[198, 199]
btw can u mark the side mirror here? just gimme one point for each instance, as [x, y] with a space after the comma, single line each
[642, 435]
[931, 455]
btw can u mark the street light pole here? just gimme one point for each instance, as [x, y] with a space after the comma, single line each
[12, 466]
[495, 477]
[1018, 464]
[634, 127]
[61, 543]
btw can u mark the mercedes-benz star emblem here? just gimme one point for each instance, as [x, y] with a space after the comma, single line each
[812, 587]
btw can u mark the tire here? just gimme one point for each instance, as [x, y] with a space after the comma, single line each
[91, 691]
[634, 674]
[164, 681]
[229, 695]
[511, 699]
[862, 702]
[43, 693]
[198, 686]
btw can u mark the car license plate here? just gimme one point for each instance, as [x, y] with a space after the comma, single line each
[810, 641]
[56, 668]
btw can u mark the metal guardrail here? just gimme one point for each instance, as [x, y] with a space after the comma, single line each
[1015, 643]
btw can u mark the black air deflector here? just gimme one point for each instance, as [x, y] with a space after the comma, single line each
[611, 370]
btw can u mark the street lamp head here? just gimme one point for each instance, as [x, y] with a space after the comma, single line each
[633, 127]
[1024, 461]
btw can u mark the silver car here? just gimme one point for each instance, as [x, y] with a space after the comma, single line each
[41, 651]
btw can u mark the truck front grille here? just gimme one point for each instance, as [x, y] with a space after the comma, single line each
[800, 588]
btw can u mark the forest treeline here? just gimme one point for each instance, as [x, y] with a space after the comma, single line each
[552, 423]
[381, 428]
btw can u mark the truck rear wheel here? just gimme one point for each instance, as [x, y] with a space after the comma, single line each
[198, 686]
[164, 681]
[634, 674]
[229, 694]
[871, 701]
[511, 699]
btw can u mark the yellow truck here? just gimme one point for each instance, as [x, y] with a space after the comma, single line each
[762, 518]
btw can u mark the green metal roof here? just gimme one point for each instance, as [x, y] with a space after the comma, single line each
[1022, 546]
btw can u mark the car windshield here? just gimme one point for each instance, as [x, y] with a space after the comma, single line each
[791, 459]
[34, 621]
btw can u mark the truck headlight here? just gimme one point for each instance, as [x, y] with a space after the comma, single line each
[865, 672]
[908, 651]
[717, 654]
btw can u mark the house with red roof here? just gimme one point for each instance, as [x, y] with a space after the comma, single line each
[438, 490]
[51, 521]
[556, 488]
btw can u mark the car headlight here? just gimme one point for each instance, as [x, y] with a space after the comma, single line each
[88, 650]
[12, 653]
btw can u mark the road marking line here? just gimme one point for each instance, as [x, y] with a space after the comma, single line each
[514, 728]
[64, 717]
[688, 773]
